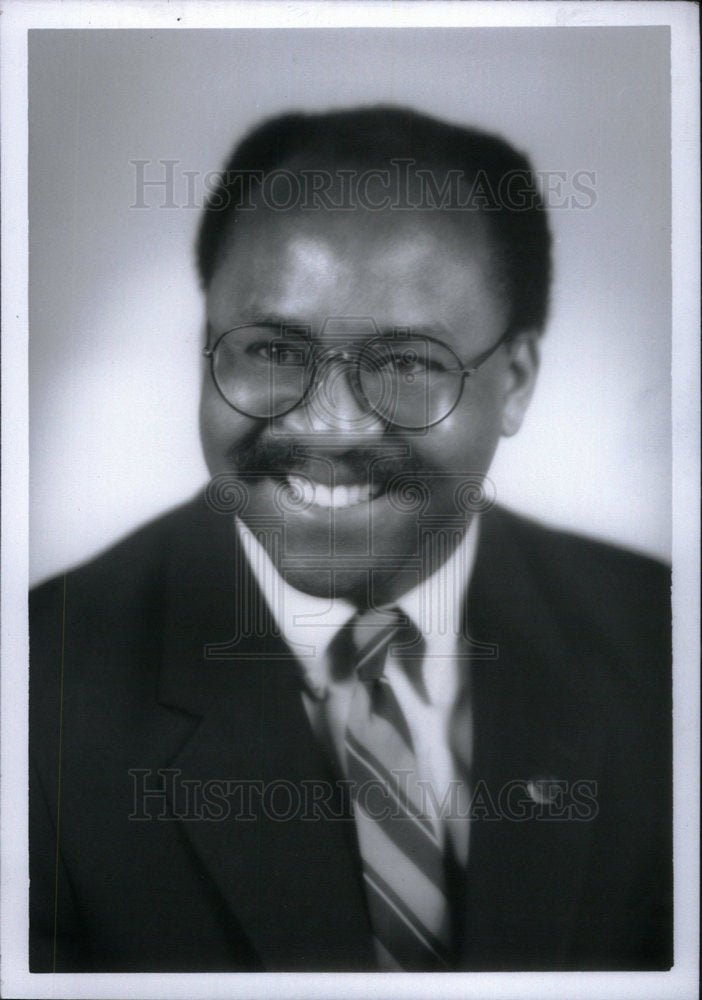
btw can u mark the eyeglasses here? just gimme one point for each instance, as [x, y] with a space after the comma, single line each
[412, 382]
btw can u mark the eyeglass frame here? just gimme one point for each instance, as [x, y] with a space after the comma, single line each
[464, 370]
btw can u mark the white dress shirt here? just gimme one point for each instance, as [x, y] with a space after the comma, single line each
[309, 624]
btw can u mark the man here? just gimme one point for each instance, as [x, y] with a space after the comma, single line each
[326, 717]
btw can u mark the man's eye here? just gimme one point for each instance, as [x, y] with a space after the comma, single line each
[410, 363]
[274, 353]
[262, 350]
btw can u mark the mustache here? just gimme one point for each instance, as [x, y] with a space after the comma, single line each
[257, 455]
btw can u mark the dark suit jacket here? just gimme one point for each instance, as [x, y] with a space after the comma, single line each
[147, 659]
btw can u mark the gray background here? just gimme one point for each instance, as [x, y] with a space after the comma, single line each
[115, 311]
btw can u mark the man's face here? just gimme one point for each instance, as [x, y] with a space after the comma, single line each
[339, 275]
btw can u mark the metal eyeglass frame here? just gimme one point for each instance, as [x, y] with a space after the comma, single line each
[353, 356]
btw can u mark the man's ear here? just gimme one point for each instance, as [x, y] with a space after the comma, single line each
[520, 379]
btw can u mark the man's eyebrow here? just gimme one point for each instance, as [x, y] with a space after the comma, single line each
[274, 319]
[414, 330]
[265, 318]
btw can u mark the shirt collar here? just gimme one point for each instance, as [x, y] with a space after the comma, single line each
[308, 624]
[435, 605]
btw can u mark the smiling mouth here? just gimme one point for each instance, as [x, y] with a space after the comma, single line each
[317, 494]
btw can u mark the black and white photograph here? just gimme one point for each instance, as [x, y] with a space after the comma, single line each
[349, 462]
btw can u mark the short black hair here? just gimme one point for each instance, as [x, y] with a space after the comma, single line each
[377, 135]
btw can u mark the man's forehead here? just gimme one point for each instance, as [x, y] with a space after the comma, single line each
[327, 240]
[324, 246]
[403, 269]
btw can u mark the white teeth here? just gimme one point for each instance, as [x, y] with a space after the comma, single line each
[338, 498]
[354, 495]
[323, 495]
[302, 488]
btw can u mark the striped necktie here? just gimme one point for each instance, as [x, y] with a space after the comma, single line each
[403, 862]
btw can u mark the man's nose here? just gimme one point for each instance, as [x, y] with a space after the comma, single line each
[334, 406]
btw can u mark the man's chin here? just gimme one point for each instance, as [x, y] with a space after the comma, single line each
[366, 587]
[355, 551]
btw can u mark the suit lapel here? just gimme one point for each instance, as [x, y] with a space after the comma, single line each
[288, 874]
[535, 722]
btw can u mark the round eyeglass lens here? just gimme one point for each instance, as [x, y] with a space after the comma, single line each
[412, 383]
[260, 370]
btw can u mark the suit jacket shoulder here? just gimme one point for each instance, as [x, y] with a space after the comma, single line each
[601, 595]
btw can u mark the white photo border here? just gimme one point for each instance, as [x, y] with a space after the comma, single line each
[17, 19]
